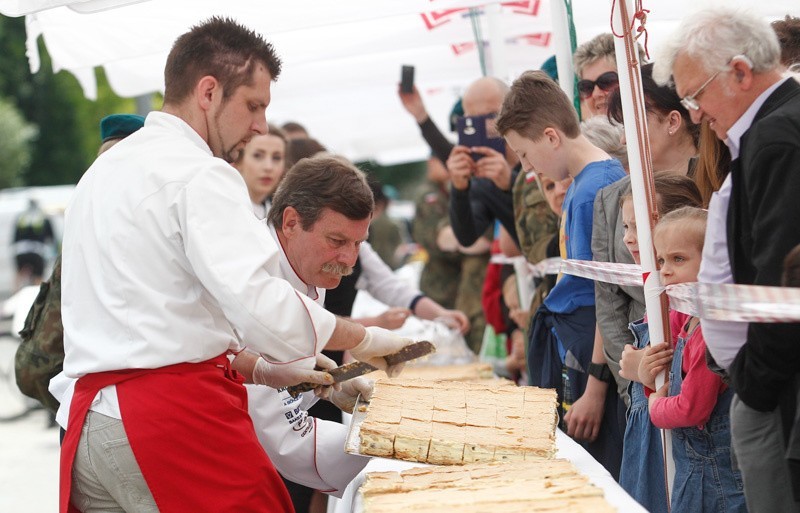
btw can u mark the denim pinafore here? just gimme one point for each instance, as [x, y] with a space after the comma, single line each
[705, 480]
[642, 473]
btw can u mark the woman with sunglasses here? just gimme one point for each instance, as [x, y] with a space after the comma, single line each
[596, 67]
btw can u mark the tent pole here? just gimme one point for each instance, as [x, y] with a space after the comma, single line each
[564, 48]
[645, 208]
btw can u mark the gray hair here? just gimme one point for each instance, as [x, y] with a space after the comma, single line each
[713, 37]
[607, 137]
[593, 50]
[599, 47]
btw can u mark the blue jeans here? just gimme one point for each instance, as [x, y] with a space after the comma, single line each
[559, 352]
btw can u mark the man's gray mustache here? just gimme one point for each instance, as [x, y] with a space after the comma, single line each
[338, 269]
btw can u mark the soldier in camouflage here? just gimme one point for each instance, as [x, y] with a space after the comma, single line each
[450, 278]
[536, 226]
[536, 223]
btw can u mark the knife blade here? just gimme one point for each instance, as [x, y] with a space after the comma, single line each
[355, 369]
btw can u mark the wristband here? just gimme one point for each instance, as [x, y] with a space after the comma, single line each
[414, 302]
[602, 372]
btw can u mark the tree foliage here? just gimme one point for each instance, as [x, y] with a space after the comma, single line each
[67, 123]
[15, 149]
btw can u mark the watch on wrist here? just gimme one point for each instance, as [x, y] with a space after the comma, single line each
[601, 372]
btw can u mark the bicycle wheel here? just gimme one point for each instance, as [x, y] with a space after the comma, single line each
[13, 403]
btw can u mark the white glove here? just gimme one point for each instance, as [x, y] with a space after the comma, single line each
[345, 399]
[279, 375]
[379, 342]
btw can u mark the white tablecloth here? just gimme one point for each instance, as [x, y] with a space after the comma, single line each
[566, 447]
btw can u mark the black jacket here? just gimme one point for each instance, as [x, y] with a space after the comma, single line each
[763, 226]
[473, 210]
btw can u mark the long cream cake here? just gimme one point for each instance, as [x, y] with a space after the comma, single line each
[451, 423]
[523, 486]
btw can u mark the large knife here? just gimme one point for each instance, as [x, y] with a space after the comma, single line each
[355, 369]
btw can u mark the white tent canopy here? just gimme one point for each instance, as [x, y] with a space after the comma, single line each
[341, 59]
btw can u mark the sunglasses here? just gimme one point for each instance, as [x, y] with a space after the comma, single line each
[606, 82]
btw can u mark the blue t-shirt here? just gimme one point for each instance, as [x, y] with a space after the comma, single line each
[572, 292]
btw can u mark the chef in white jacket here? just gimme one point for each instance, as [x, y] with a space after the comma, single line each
[165, 272]
[304, 449]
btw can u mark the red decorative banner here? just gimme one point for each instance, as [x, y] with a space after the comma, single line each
[529, 7]
[539, 39]
[462, 48]
[435, 19]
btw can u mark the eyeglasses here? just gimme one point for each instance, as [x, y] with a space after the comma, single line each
[606, 82]
[690, 102]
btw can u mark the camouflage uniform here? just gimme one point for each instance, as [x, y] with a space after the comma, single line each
[451, 279]
[536, 226]
[385, 238]
[442, 273]
[40, 356]
[536, 223]
[473, 274]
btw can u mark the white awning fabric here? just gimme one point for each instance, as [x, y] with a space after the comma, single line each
[341, 59]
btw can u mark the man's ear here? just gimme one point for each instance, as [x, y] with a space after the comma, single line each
[207, 91]
[743, 71]
[290, 224]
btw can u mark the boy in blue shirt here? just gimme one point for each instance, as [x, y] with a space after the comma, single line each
[541, 126]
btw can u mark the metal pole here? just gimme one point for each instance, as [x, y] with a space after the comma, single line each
[645, 208]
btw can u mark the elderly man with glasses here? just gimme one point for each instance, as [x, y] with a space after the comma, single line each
[726, 66]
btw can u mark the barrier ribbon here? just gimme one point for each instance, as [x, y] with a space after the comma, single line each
[538, 270]
[715, 301]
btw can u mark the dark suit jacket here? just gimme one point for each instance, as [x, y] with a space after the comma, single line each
[763, 226]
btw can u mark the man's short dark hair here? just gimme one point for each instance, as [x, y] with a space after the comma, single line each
[298, 149]
[321, 182]
[294, 127]
[534, 103]
[221, 48]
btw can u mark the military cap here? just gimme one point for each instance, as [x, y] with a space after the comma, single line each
[117, 126]
[550, 68]
[456, 112]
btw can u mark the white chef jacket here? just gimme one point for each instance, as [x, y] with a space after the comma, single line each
[304, 449]
[381, 282]
[164, 262]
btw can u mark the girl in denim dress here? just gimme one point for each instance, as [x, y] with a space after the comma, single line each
[642, 473]
[694, 403]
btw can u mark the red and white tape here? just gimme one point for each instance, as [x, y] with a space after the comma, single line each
[539, 270]
[716, 301]
[618, 274]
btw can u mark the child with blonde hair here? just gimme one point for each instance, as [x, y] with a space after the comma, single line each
[642, 471]
[694, 403]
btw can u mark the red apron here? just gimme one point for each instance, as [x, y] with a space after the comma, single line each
[191, 435]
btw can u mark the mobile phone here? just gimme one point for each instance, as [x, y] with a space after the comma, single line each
[479, 131]
[407, 79]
